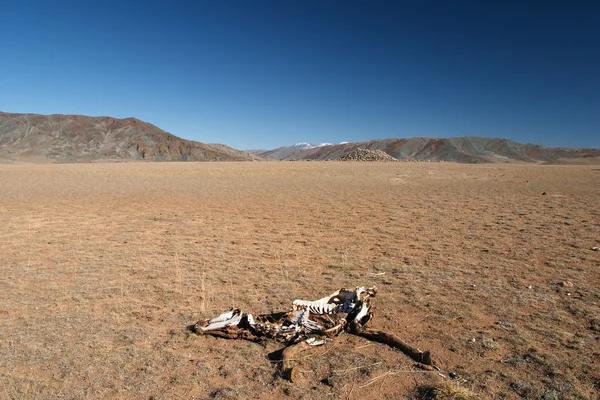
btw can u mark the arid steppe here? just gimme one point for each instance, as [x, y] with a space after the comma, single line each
[490, 267]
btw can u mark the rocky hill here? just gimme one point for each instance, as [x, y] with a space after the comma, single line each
[367, 155]
[78, 138]
[458, 149]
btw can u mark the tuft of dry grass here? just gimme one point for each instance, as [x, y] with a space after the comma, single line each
[446, 390]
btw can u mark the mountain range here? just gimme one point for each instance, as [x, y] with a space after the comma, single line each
[78, 138]
[457, 149]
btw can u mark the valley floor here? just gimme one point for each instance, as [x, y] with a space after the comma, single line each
[490, 267]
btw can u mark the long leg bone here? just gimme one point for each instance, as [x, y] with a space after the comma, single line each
[288, 355]
[424, 357]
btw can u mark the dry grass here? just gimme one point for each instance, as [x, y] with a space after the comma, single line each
[446, 390]
[103, 267]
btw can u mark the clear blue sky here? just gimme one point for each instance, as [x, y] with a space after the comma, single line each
[262, 74]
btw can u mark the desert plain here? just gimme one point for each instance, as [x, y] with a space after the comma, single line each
[490, 267]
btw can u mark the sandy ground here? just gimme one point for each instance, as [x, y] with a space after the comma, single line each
[103, 266]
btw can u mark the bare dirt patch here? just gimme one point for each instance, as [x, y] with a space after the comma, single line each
[104, 266]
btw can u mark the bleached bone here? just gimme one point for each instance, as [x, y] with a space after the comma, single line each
[343, 310]
[301, 320]
[229, 318]
[315, 307]
[314, 342]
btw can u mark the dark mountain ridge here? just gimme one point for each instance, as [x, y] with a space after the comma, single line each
[468, 149]
[79, 138]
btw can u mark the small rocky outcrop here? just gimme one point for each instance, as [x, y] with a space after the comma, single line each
[367, 155]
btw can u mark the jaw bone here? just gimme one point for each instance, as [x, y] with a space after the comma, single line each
[229, 318]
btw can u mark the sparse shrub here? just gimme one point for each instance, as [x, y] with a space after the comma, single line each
[525, 389]
[224, 394]
[446, 390]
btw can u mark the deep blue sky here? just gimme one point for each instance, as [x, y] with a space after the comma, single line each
[262, 74]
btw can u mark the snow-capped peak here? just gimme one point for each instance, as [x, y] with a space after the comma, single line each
[303, 145]
[306, 145]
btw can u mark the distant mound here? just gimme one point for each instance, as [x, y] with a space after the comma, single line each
[457, 149]
[78, 138]
[367, 155]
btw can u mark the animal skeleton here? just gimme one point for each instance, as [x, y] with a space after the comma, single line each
[308, 323]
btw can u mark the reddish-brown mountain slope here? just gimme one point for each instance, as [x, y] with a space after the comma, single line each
[80, 138]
